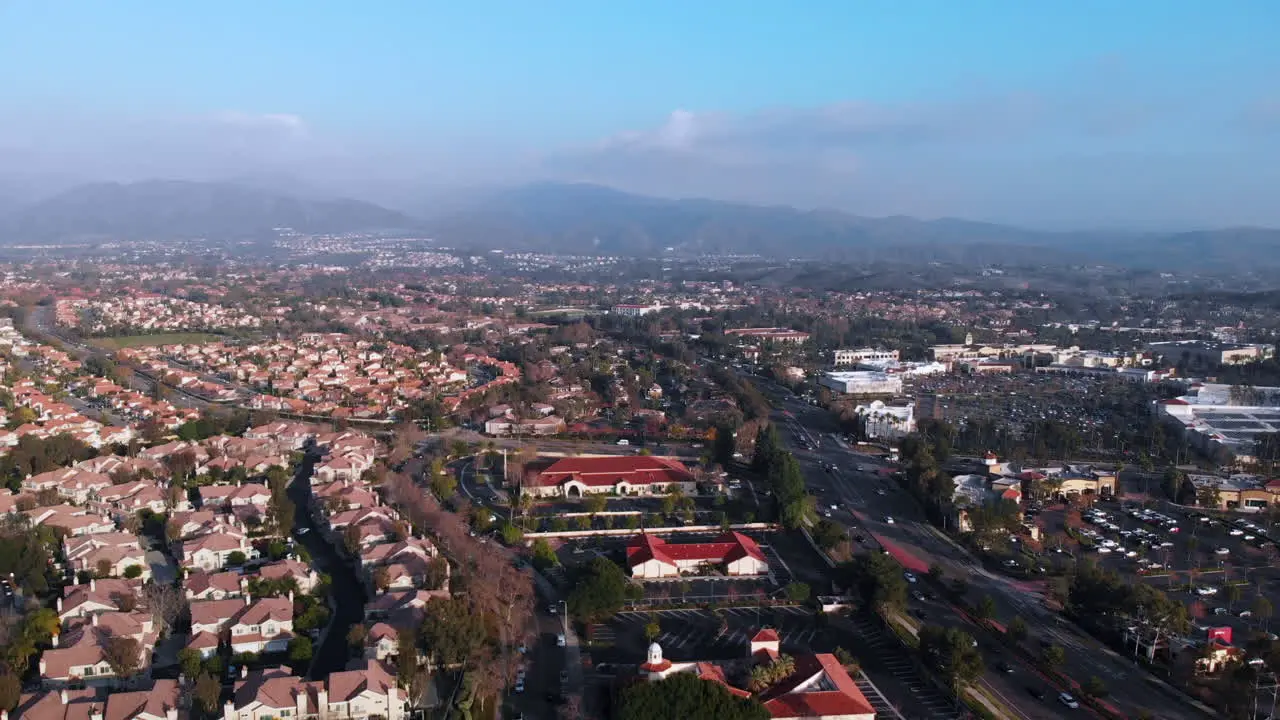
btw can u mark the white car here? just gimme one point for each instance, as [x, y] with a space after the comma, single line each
[1066, 699]
[1235, 532]
[1222, 551]
[560, 640]
[888, 519]
[1206, 590]
[303, 530]
[909, 577]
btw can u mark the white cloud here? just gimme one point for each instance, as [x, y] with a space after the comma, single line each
[284, 122]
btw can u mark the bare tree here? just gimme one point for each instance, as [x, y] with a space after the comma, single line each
[123, 654]
[166, 604]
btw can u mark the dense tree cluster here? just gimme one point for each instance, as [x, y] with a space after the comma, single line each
[599, 590]
[795, 507]
[877, 578]
[494, 593]
[952, 653]
[34, 455]
[683, 696]
[25, 552]
[1097, 593]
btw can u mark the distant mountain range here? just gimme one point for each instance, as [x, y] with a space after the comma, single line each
[572, 218]
[590, 218]
[161, 209]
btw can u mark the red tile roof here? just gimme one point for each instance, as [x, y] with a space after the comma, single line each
[602, 471]
[726, 548]
[805, 694]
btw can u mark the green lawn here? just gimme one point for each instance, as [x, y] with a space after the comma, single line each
[130, 341]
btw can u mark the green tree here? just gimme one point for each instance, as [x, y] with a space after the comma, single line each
[1054, 656]
[827, 534]
[651, 631]
[443, 485]
[543, 556]
[685, 695]
[986, 608]
[1017, 629]
[451, 631]
[207, 692]
[300, 649]
[600, 589]
[512, 535]
[797, 592]
[236, 558]
[133, 571]
[1094, 687]
[952, 653]
[189, 661]
[595, 504]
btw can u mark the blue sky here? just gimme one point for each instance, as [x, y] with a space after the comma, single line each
[1043, 112]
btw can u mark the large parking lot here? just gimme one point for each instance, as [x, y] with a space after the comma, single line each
[1191, 555]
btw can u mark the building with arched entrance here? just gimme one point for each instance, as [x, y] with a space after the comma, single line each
[635, 475]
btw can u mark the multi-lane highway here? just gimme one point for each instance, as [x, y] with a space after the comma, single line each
[866, 499]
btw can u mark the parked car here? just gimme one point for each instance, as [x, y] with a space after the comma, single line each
[1068, 700]
[560, 640]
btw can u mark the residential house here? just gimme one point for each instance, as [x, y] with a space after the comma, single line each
[359, 694]
[213, 552]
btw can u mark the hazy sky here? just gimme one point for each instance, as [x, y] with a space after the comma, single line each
[1072, 113]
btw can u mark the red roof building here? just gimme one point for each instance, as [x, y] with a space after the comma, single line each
[649, 556]
[634, 475]
[818, 688]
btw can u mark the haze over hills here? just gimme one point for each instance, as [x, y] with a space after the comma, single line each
[577, 218]
[591, 218]
[162, 209]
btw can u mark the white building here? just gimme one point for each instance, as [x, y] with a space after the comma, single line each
[848, 358]
[635, 310]
[887, 422]
[862, 382]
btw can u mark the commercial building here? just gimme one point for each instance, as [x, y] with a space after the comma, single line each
[862, 382]
[1223, 418]
[650, 557]
[1210, 353]
[849, 358]
[770, 333]
[635, 310]
[578, 476]
[882, 421]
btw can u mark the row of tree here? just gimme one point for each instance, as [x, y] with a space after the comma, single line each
[795, 506]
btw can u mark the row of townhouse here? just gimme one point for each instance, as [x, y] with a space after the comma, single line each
[78, 675]
[164, 700]
[402, 572]
[245, 623]
[151, 313]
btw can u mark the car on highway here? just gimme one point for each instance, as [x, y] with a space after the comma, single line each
[560, 640]
[1068, 700]
[1005, 667]
[888, 519]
